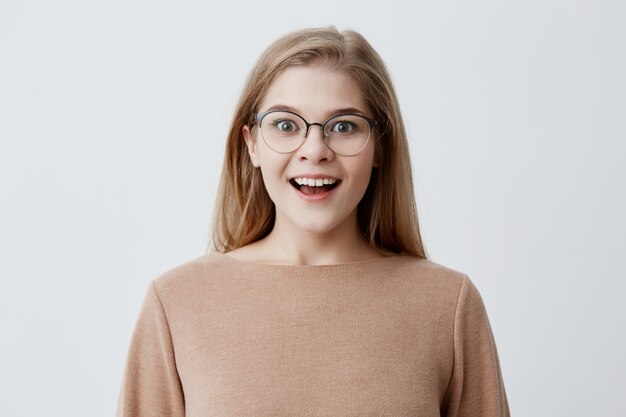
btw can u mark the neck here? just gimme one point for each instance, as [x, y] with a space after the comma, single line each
[290, 244]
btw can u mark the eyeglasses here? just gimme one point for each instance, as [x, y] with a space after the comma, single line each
[284, 131]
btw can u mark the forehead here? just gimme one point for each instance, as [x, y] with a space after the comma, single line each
[315, 91]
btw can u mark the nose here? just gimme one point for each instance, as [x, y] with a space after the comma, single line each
[314, 147]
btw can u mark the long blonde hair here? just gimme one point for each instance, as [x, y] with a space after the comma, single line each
[387, 213]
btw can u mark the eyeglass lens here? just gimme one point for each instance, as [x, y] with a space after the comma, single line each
[285, 132]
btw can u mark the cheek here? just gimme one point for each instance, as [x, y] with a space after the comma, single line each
[364, 180]
[273, 171]
[361, 176]
[364, 168]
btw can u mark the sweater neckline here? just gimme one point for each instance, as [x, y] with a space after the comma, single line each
[327, 267]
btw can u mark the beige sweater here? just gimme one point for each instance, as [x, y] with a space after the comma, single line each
[397, 336]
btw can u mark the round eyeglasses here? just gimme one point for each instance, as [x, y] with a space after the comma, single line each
[284, 131]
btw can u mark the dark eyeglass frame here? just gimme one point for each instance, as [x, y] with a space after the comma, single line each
[258, 118]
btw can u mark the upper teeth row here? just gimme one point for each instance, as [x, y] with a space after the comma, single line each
[315, 182]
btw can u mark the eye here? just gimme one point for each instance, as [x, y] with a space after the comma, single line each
[285, 126]
[343, 127]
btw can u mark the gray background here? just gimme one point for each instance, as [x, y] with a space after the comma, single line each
[113, 116]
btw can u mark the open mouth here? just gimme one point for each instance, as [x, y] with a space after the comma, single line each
[312, 190]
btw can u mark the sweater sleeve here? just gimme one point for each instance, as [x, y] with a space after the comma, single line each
[151, 386]
[476, 387]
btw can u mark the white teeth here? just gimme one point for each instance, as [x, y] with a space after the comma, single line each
[315, 182]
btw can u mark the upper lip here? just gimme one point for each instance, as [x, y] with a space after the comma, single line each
[314, 176]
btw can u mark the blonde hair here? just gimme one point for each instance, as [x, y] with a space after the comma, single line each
[387, 213]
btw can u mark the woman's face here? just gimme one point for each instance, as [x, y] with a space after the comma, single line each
[316, 93]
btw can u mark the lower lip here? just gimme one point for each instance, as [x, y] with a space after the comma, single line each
[315, 198]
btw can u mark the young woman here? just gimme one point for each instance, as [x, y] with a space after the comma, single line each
[319, 298]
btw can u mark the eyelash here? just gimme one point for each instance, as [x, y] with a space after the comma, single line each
[275, 123]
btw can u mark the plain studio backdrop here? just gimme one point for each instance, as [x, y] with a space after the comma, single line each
[113, 119]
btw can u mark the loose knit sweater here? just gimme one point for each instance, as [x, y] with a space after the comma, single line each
[396, 336]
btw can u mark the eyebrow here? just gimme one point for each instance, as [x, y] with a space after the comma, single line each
[328, 114]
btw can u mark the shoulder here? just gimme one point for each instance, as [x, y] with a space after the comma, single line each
[448, 286]
[218, 273]
[427, 272]
[215, 264]
[419, 280]
[192, 276]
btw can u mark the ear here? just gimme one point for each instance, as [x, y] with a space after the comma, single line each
[251, 142]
